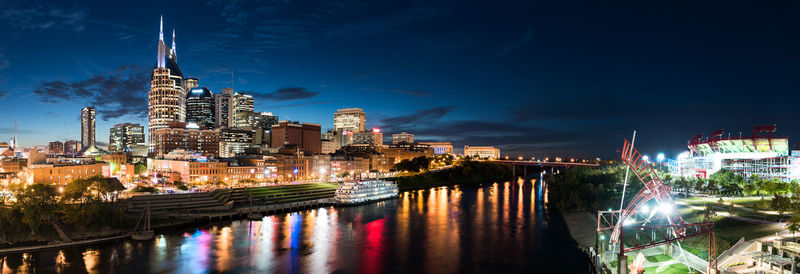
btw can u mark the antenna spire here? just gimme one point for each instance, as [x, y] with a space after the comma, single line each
[161, 30]
[174, 52]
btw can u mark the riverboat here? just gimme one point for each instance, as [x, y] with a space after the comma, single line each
[359, 192]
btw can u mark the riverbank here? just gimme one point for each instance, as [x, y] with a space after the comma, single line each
[582, 227]
[469, 173]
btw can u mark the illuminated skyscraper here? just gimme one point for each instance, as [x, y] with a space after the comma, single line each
[224, 108]
[125, 137]
[87, 126]
[349, 119]
[167, 96]
[200, 107]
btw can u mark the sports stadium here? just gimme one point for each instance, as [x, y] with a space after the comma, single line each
[763, 154]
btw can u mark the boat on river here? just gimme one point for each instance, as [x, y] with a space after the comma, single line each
[360, 192]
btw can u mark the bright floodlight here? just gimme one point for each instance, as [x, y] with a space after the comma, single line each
[660, 157]
[644, 209]
[666, 208]
[646, 158]
[628, 222]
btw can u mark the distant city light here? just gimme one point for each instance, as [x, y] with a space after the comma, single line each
[646, 158]
[660, 157]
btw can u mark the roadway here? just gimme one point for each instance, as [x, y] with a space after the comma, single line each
[546, 164]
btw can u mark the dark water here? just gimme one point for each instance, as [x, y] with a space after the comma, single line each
[505, 227]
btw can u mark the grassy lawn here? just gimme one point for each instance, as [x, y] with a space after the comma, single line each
[658, 258]
[673, 268]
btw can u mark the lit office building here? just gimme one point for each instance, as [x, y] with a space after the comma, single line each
[233, 141]
[191, 83]
[349, 119]
[267, 119]
[372, 137]
[242, 103]
[125, 137]
[87, 126]
[482, 152]
[403, 137]
[224, 108]
[200, 107]
[183, 136]
[167, 96]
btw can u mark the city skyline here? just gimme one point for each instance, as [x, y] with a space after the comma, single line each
[572, 100]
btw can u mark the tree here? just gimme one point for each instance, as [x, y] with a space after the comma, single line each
[37, 203]
[781, 204]
[709, 213]
[139, 168]
[413, 165]
[794, 223]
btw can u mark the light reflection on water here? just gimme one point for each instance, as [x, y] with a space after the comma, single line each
[503, 227]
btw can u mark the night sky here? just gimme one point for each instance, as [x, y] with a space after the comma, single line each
[537, 78]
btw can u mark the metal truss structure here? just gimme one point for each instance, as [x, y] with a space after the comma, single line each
[653, 189]
[634, 234]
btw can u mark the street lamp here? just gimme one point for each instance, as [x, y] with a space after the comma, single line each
[660, 157]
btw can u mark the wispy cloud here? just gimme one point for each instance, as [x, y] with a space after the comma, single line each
[412, 92]
[255, 28]
[513, 45]
[420, 117]
[43, 18]
[286, 94]
[122, 92]
[4, 63]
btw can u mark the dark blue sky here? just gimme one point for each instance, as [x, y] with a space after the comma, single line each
[535, 77]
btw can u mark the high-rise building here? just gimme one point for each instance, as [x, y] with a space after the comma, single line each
[191, 83]
[125, 137]
[403, 137]
[200, 108]
[87, 126]
[246, 119]
[306, 136]
[372, 137]
[224, 108]
[167, 96]
[189, 137]
[267, 119]
[242, 103]
[350, 119]
[233, 141]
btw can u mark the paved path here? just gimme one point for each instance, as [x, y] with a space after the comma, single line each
[61, 244]
[726, 214]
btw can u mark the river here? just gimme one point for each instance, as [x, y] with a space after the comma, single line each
[502, 227]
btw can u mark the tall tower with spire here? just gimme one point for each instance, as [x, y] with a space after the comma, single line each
[167, 96]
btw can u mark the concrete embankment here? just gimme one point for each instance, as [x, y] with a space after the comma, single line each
[582, 227]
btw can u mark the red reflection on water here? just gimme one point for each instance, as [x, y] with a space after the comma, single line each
[370, 257]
